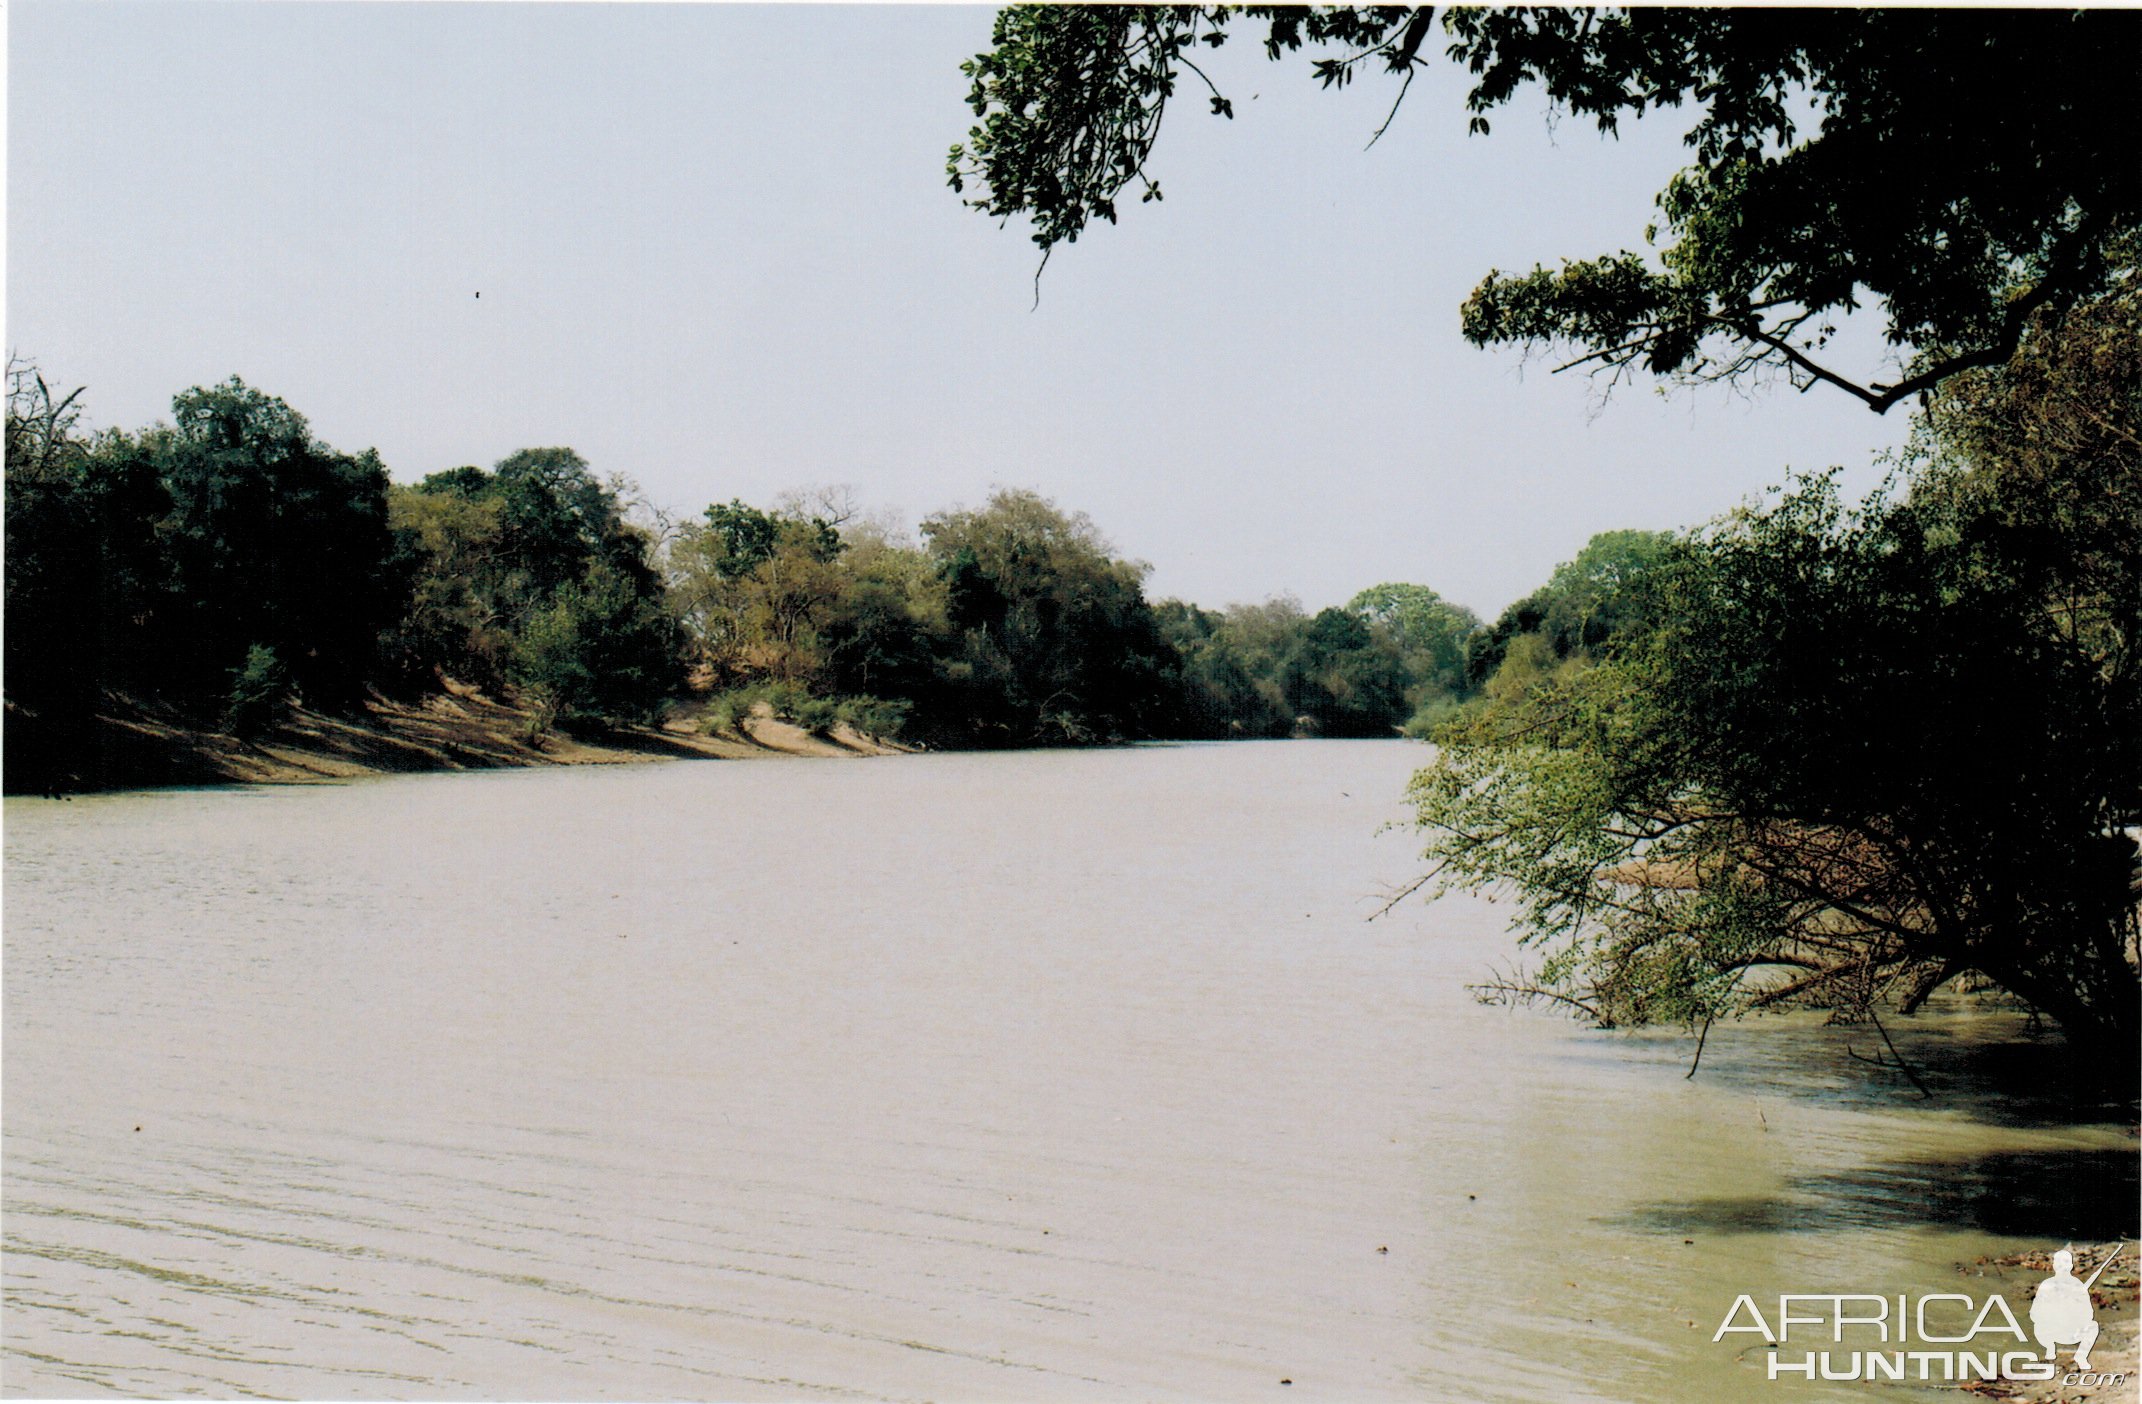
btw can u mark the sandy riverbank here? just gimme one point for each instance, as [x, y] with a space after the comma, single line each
[129, 747]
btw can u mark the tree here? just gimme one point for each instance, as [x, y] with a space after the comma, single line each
[459, 582]
[600, 649]
[1431, 632]
[881, 636]
[44, 441]
[2047, 452]
[1590, 602]
[559, 521]
[223, 563]
[1230, 689]
[1965, 169]
[1856, 758]
[271, 538]
[259, 689]
[1054, 639]
[1342, 680]
[530, 575]
[53, 639]
[1392, 659]
[84, 579]
[754, 587]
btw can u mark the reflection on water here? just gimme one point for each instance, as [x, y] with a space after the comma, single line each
[1012, 1076]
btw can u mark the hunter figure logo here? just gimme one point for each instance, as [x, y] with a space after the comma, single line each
[1953, 1337]
[2061, 1314]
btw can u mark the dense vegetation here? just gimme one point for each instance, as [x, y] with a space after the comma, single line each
[1843, 756]
[228, 565]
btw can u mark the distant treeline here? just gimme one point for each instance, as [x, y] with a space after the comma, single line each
[229, 564]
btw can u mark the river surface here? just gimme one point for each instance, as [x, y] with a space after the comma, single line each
[1028, 1076]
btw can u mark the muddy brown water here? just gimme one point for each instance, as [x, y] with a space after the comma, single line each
[1028, 1076]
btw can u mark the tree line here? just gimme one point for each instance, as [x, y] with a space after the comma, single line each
[228, 564]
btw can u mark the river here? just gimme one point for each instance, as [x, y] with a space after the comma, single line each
[1040, 1075]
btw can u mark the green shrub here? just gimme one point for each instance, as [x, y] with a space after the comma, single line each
[724, 712]
[260, 688]
[1431, 714]
[814, 714]
[784, 699]
[598, 651]
[875, 717]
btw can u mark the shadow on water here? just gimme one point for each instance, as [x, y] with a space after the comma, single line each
[1988, 1067]
[2057, 1196]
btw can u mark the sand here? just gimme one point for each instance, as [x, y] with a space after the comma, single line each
[136, 746]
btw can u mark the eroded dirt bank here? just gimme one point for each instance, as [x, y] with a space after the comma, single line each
[132, 746]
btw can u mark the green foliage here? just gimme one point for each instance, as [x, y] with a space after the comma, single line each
[156, 561]
[1396, 652]
[740, 539]
[1959, 219]
[1853, 755]
[1590, 605]
[1962, 169]
[467, 481]
[886, 632]
[1070, 97]
[760, 590]
[2047, 454]
[1017, 625]
[814, 714]
[530, 576]
[558, 521]
[1060, 134]
[461, 594]
[1431, 716]
[876, 717]
[260, 689]
[79, 560]
[272, 537]
[1432, 633]
[232, 564]
[784, 701]
[599, 650]
[1338, 680]
[1053, 639]
[1230, 667]
[726, 712]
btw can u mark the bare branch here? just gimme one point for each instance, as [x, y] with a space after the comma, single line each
[1697, 1061]
[1511, 991]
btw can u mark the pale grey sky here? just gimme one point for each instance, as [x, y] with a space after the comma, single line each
[716, 252]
